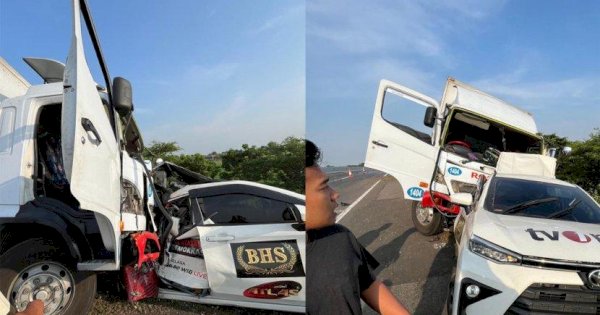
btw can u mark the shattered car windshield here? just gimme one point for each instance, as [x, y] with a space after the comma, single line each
[481, 140]
[511, 196]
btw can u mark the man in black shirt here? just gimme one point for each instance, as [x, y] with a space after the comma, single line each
[339, 271]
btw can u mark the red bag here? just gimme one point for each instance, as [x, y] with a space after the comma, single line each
[140, 277]
[140, 283]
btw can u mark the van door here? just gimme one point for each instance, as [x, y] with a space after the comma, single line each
[89, 148]
[399, 143]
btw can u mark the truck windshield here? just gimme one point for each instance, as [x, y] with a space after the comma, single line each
[480, 140]
[511, 196]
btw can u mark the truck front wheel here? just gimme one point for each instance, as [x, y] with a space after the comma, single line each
[427, 221]
[38, 269]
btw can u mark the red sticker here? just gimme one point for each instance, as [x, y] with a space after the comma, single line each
[274, 290]
[577, 237]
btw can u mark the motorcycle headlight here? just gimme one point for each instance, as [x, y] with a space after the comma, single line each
[492, 251]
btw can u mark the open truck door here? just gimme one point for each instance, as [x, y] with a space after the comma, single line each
[399, 143]
[89, 149]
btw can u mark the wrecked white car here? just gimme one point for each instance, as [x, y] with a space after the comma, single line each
[527, 243]
[236, 243]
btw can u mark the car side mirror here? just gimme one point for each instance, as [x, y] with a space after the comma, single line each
[122, 96]
[299, 225]
[430, 115]
[463, 199]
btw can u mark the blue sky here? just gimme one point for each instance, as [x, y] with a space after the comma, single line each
[210, 75]
[542, 56]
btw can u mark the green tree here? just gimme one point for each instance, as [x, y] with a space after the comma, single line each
[161, 150]
[198, 163]
[276, 164]
[557, 142]
[582, 166]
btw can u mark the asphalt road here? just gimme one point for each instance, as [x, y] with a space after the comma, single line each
[416, 268]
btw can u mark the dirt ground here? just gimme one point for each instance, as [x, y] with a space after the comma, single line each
[111, 299]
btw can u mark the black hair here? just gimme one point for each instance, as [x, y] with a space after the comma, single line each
[313, 154]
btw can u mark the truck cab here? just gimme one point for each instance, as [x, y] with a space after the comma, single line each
[435, 149]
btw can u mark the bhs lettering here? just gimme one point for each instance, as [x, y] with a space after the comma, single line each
[266, 255]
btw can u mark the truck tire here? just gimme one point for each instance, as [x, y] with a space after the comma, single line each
[427, 221]
[38, 269]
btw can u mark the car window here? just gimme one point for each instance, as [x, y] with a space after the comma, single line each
[243, 208]
[505, 193]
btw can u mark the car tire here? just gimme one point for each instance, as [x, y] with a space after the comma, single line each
[427, 221]
[38, 269]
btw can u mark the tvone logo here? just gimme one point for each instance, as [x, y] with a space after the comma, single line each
[578, 237]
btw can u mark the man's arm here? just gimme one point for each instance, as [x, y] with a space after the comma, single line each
[379, 298]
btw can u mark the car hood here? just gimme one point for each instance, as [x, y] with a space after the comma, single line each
[545, 238]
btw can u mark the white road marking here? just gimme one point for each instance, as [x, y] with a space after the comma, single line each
[341, 215]
[335, 180]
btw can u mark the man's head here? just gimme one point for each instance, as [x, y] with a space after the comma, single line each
[321, 200]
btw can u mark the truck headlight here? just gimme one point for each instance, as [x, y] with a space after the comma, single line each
[492, 251]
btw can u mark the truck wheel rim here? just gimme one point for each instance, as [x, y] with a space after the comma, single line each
[424, 215]
[46, 281]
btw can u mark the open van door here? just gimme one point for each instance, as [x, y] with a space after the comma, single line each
[89, 148]
[399, 143]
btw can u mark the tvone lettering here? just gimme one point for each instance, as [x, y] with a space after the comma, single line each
[578, 237]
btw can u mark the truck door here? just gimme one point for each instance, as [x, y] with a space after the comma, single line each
[253, 251]
[89, 148]
[399, 143]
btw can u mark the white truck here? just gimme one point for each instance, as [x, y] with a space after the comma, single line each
[76, 197]
[458, 141]
[73, 186]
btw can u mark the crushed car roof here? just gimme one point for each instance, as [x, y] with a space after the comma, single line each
[526, 164]
[241, 187]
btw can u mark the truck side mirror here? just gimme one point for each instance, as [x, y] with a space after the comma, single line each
[555, 152]
[122, 96]
[430, 115]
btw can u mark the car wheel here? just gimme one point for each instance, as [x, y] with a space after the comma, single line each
[427, 221]
[38, 269]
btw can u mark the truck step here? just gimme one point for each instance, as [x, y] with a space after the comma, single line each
[98, 265]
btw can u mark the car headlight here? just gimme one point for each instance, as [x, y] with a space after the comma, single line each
[492, 251]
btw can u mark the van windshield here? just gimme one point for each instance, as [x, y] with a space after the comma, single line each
[481, 140]
[512, 196]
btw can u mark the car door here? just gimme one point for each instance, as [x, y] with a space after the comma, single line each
[254, 246]
[89, 148]
[399, 143]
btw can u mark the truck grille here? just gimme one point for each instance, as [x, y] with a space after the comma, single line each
[543, 298]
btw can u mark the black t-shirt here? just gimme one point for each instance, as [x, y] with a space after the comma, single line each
[338, 269]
